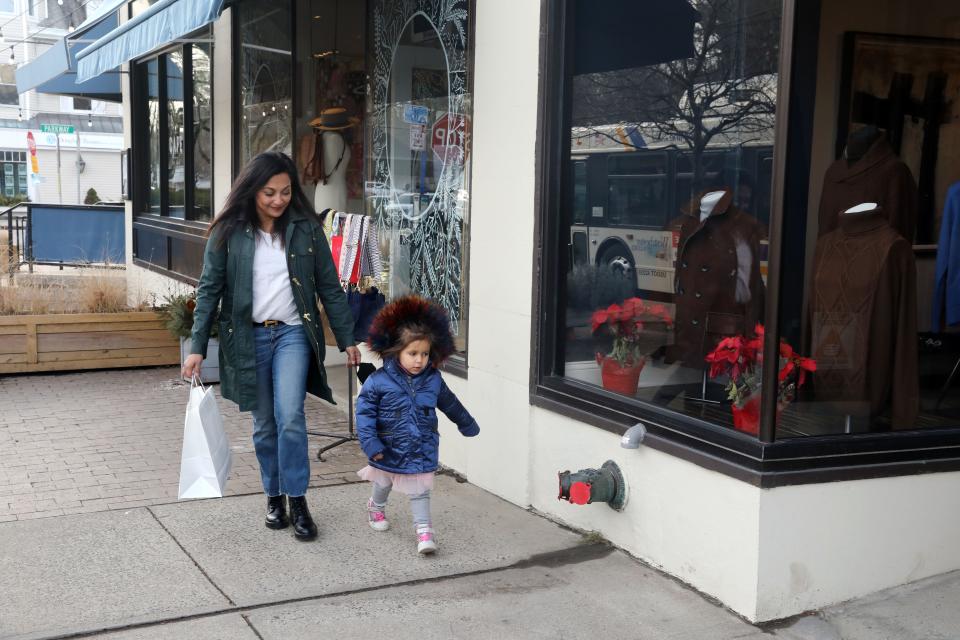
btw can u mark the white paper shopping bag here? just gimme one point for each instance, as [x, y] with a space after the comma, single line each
[206, 457]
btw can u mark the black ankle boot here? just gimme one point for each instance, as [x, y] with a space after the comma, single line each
[276, 513]
[303, 526]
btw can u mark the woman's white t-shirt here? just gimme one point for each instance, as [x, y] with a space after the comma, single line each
[272, 294]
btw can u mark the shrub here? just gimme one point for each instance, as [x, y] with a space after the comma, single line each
[177, 312]
[91, 197]
[97, 290]
[594, 287]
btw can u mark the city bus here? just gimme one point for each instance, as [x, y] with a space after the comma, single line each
[627, 192]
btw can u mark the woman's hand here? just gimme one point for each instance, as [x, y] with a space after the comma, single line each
[353, 356]
[379, 456]
[191, 366]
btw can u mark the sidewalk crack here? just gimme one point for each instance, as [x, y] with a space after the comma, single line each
[192, 559]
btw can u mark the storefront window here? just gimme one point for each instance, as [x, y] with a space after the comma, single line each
[871, 286]
[667, 201]
[172, 138]
[419, 115]
[14, 174]
[266, 77]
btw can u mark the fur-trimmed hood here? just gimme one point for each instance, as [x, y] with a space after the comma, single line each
[407, 311]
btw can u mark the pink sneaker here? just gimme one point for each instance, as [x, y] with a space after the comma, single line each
[425, 542]
[376, 517]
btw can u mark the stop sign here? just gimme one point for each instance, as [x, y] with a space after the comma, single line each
[448, 136]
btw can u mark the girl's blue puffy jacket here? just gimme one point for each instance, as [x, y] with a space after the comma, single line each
[396, 416]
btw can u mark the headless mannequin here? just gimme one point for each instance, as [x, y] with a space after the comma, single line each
[333, 194]
[708, 202]
[859, 142]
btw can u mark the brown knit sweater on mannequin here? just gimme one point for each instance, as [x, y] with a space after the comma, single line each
[864, 318]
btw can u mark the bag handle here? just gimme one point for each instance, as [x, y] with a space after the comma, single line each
[195, 382]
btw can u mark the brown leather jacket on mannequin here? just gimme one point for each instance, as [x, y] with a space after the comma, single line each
[879, 176]
[712, 256]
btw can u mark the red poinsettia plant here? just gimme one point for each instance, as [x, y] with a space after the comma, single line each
[742, 358]
[626, 322]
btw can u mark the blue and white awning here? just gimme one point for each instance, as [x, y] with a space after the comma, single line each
[161, 24]
[54, 71]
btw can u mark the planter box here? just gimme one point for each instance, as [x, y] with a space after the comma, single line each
[210, 369]
[70, 342]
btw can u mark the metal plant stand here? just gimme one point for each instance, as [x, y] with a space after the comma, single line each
[351, 434]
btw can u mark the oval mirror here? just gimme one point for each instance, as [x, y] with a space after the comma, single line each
[417, 133]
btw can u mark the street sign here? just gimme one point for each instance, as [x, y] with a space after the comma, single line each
[57, 128]
[449, 136]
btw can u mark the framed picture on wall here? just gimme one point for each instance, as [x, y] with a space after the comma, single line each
[125, 171]
[909, 87]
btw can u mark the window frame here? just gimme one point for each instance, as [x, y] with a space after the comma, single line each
[762, 461]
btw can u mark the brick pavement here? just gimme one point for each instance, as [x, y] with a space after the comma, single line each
[101, 440]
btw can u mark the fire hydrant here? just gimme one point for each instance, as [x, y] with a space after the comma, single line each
[605, 484]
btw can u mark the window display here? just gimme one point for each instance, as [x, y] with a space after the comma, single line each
[882, 160]
[418, 148]
[671, 141]
[667, 199]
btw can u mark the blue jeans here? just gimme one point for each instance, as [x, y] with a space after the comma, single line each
[279, 425]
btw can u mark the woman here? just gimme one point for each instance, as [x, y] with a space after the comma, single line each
[267, 265]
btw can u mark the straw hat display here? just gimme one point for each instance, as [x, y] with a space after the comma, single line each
[334, 119]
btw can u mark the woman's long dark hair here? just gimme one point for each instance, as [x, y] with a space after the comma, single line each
[240, 209]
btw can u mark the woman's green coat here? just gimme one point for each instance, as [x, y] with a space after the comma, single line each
[227, 280]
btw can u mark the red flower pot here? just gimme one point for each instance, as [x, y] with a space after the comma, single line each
[619, 378]
[747, 417]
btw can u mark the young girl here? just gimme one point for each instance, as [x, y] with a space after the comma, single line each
[396, 410]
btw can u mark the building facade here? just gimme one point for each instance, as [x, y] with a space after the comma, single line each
[667, 192]
[90, 157]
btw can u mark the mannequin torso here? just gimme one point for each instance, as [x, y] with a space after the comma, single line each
[336, 157]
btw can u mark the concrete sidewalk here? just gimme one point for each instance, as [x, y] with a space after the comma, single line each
[210, 569]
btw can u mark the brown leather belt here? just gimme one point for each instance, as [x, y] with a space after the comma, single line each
[267, 323]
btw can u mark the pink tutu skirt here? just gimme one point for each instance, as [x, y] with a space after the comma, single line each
[411, 484]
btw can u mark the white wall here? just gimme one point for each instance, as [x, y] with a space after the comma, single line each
[222, 109]
[102, 172]
[501, 237]
[822, 544]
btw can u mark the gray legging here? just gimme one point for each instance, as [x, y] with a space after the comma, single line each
[419, 504]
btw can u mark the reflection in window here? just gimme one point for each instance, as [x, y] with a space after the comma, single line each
[668, 138]
[266, 78]
[153, 133]
[176, 168]
[202, 133]
[419, 146]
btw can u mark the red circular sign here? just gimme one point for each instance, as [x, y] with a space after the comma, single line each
[449, 135]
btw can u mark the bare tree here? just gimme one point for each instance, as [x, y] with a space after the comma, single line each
[724, 94]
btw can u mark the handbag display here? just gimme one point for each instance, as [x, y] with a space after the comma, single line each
[206, 458]
[364, 305]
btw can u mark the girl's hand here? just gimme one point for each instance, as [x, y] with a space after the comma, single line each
[379, 456]
[191, 366]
